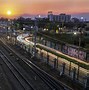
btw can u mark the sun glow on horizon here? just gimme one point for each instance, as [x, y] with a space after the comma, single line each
[9, 12]
[16, 8]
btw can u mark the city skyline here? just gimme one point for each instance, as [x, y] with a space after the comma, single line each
[35, 7]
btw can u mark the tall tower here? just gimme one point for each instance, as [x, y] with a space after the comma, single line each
[50, 16]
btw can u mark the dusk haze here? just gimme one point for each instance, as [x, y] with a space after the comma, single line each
[35, 7]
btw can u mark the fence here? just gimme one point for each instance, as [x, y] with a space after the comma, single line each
[74, 71]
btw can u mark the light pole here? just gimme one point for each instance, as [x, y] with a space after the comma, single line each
[35, 35]
[11, 30]
[8, 29]
[8, 22]
[79, 44]
[79, 41]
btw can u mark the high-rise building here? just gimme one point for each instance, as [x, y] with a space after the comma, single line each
[59, 18]
[68, 18]
[56, 18]
[50, 16]
[62, 17]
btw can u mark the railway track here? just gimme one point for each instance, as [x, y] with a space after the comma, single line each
[49, 80]
[17, 74]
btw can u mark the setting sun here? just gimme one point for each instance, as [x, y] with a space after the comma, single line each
[9, 12]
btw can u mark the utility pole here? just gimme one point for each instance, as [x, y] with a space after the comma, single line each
[35, 35]
[80, 39]
[79, 42]
[7, 29]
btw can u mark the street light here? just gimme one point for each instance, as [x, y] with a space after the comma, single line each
[8, 37]
[75, 33]
[8, 21]
[8, 28]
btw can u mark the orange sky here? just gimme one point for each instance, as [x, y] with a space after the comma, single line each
[19, 7]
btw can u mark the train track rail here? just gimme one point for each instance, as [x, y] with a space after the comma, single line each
[17, 74]
[49, 80]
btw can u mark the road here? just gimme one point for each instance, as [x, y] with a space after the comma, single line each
[24, 39]
[27, 40]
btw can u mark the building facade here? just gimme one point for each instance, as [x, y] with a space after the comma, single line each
[59, 18]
